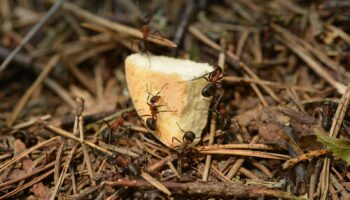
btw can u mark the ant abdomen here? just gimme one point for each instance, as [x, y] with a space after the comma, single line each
[151, 123]
[142, 46]
[209, 90]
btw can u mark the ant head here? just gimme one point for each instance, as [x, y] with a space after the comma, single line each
[151, 123]
[209, 90]
[147, 18]
[126, 115]
[154, 99]
[188, 137]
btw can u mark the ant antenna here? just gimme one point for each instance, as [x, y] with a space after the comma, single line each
[149, 91]
[180, 127]
[161, 89]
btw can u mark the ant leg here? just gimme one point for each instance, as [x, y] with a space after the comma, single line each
[161, 89]
[148, 90]
[146, 51]
[217, 103]
[167, 111]
[160, 106]
[148, 115]
[174, 138]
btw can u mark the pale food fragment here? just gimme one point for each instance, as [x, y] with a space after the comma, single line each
[181, 104]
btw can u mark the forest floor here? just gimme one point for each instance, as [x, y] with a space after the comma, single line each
[281, 132]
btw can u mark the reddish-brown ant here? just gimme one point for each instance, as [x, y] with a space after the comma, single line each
[124, 165]
[214, 84]
[143, 44]
[151, 102]
[117, 126]
[224, 120]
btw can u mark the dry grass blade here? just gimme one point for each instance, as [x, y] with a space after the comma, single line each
[28, 151]
[31, 122]
[258, 154]
[63, 173]
[155, 183]
[58, 162]
[157, 165]
[235, 146]
[233, 79]
[211, 141]
[340, 113]
[237, 165]
[23, 101]
[115, 26]
[71, 136]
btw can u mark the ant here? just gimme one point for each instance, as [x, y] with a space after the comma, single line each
[145, 30]
[151, 102]
[117, 125]
[224, 120]
[184, 150]
[187, 138]
[124, 165]
[213, 78]
[143, 44]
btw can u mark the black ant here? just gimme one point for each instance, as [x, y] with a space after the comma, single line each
[187, 138]
[151, 122]
[184, 150]
[117, 125]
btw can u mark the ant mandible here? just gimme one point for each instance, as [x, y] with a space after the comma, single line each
[151, 102]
